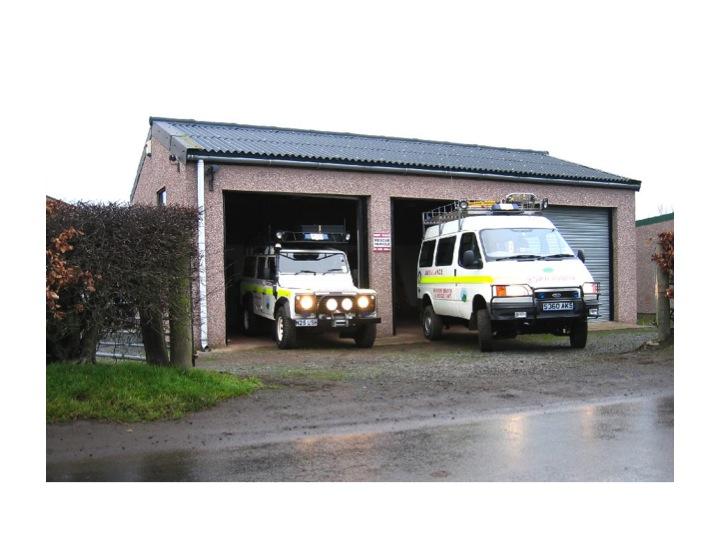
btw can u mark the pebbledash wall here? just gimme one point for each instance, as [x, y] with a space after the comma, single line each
[180, 182]
[647, 231]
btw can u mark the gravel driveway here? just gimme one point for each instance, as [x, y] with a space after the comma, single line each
[322, 389]
[323, 385]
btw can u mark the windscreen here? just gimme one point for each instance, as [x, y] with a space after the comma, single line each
[499, 244]
[312, 262]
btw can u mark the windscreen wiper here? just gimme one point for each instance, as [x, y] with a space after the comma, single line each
[305, 272]
[559, 256]
[334, 270]
[519, 257]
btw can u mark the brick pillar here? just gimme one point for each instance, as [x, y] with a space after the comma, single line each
[624, 262]
[380, 264]
[215, 267]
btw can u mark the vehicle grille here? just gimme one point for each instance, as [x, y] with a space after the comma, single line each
[557, 295]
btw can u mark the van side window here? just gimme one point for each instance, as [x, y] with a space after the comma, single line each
[271, 273]
[249, 267]
[261, 268]
[468, 242]
[426, 254]
[444, 255]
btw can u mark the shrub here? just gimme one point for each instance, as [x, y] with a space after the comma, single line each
[108, 262]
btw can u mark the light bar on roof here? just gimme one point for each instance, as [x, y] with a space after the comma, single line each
[513, 203]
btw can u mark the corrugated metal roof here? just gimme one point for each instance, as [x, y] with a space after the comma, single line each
[187, 137]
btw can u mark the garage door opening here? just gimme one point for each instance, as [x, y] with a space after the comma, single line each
[407, 233]
[252, 218]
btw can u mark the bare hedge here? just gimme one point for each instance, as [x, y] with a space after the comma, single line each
[129, 259]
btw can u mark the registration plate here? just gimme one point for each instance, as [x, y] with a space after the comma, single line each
[306, 322]
[558, 306]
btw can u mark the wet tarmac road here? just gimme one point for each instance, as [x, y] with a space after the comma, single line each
[622, 441]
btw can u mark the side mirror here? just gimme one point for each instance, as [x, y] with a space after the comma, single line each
[470, 261]
[581, 255]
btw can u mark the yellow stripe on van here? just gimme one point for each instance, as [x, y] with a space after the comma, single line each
[250, 287]
[455, 279]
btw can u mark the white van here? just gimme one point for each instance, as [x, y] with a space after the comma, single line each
[501, 268]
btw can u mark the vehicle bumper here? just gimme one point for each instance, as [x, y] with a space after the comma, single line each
[336, 323]
[508, 309]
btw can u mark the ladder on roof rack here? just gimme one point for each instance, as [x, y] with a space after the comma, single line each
[512, 204]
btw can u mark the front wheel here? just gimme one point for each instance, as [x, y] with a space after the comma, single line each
[484, 327]
[432, 324]
[365, 336]
[285, 331]
[578, 334]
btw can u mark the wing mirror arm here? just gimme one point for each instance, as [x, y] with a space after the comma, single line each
[469, 260]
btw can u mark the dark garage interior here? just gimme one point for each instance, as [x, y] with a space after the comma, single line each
[252, 218]
[407, 234]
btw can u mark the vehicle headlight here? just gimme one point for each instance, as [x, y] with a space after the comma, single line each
[331, 304]
[365, 303]
[512, 290]
[347, 304]
[305, 302]
[591, 288]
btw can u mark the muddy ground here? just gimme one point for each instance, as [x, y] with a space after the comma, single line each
[321, 389]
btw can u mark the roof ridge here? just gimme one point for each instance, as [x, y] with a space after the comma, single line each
[342, 133]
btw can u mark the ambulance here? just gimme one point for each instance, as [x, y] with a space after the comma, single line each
[303, 284]
[502, 269]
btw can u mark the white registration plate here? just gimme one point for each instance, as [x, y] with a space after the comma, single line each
[557, 306]
[306, 322]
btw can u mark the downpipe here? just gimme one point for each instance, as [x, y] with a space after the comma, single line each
[202, 274]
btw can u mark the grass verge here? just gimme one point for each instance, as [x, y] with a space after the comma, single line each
[135, 392]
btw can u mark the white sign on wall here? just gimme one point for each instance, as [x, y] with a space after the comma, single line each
[381, 242]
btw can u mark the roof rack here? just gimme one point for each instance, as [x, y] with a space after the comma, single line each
[511, 204]
[316, 234]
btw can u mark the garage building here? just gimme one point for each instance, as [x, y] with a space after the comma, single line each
[256, 179]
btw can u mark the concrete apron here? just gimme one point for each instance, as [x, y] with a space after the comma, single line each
[405, 334]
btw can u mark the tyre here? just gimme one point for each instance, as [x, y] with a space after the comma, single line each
[285, 331]
[484, 327]
[432, 324]
[365, 336]
[250, 321]
[578, 334]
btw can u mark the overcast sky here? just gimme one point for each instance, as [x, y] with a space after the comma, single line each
[600, 87]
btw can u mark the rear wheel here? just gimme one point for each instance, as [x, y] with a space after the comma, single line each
[250, 321]
[365, 336]
[484, 327]
[432, 324]
[578, 334]
[285, 331]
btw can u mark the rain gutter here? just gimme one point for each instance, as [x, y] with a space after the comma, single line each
[239, 160]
